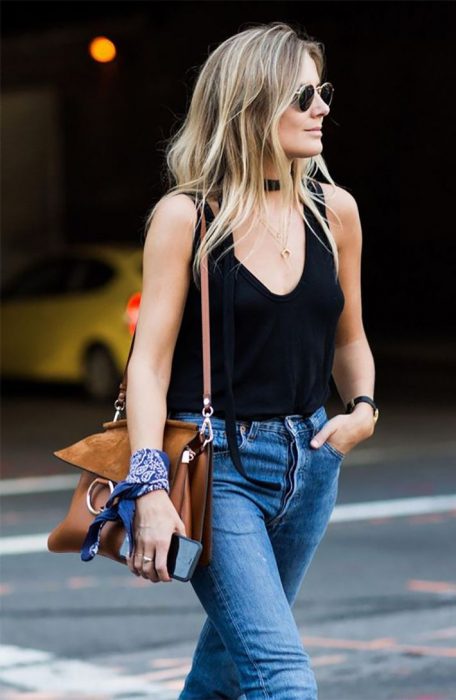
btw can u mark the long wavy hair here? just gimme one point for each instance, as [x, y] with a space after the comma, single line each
[231, 126]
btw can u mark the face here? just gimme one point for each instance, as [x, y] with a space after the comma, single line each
[296, 137]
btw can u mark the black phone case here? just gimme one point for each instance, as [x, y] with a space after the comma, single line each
[184, 558]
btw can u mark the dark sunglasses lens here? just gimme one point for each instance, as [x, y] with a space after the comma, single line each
[306, 97]
[326, 94]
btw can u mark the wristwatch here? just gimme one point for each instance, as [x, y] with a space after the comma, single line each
[352, 403]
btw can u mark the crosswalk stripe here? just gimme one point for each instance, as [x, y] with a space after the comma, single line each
[32, 669]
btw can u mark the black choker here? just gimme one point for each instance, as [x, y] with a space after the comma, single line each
[271, 185]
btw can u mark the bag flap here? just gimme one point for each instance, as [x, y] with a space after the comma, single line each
[108, 453]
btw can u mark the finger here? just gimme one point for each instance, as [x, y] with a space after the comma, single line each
[161, 555]
[138, 562]
[130, 563]
[148, 568]
[320, 438]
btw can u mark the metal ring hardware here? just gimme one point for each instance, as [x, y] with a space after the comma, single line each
[119, 405]
[207, 412]
[105, 482]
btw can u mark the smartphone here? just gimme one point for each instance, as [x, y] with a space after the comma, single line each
[183, 555]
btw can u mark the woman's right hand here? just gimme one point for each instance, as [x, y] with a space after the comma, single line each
[155, 521]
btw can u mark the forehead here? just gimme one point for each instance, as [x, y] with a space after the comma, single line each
[309, 72]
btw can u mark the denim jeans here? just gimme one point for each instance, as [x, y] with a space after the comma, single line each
[263, 542]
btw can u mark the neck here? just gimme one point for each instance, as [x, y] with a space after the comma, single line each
[270, 170]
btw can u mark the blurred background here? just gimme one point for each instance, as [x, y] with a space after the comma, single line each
[83, 139]
[90, 93]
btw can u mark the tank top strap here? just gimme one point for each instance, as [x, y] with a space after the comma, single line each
[317, 189]
[197, 231]
[209, 215]
[315, 241]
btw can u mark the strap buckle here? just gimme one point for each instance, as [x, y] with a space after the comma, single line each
[207, 412]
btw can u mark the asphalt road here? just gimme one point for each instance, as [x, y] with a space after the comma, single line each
[376, 611]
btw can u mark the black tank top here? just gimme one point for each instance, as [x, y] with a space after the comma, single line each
[271, 354]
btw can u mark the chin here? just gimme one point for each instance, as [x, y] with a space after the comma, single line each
[315, 147]
[307, 153]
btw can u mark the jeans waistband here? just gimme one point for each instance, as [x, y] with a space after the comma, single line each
[279, 424]
[262, 417]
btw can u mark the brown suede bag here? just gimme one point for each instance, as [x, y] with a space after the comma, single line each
[104, 458]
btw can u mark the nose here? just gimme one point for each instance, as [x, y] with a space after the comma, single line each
[319, 106]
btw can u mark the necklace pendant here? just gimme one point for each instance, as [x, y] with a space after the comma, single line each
[285, 252]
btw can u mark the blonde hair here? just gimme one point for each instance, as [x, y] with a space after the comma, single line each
[241, 91]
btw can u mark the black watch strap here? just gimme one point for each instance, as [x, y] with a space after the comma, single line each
[352, 403]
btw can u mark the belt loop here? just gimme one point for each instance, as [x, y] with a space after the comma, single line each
[254, 427]
[318, 418]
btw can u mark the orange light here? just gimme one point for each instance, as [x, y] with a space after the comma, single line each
[132, 311]
[102, 49]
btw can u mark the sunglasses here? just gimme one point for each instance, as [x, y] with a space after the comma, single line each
[305, 94]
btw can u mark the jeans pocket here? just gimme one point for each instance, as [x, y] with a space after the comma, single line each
[337, 453]
[243, 431]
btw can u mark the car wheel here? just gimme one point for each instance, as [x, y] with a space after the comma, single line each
[100, 377]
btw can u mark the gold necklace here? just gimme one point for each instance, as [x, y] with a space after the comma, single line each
[285, 252]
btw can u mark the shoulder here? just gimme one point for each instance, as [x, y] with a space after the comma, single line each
[339, 199]
[342, 213]
[171, 226]
[177, 208]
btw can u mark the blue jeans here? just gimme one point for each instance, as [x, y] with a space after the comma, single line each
[263, 543]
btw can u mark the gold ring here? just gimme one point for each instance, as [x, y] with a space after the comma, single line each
[147, 559]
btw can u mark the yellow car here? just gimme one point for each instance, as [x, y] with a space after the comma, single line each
[70, 317]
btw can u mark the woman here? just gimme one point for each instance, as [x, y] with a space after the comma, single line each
[285, 314]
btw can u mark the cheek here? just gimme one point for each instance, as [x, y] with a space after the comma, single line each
[293, 138]
[290, 126]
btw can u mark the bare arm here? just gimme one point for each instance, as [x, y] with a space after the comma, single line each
[166, 277]
[353, 367]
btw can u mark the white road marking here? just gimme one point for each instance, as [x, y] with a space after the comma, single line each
[364, 456]
[32, 669]
[24, 544]
[15, 656]
[38, 484]
[397, 507]
[347, 512]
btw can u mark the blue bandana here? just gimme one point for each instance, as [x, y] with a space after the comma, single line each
[125, 494]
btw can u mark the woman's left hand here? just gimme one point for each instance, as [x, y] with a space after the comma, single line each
[346, 430]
